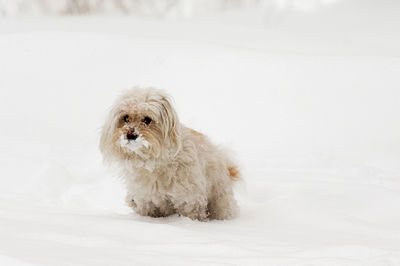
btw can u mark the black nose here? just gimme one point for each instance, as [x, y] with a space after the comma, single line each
[131, 135]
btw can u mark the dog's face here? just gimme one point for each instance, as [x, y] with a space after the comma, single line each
[142, 124]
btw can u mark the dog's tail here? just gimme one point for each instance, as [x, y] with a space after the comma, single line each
[234, 173]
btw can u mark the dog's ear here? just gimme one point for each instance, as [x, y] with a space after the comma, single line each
[107, 133]
[170, 121]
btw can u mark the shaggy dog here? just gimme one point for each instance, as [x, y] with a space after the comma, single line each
[167, 167]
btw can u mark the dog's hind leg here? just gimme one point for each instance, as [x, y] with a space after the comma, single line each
[222, 205]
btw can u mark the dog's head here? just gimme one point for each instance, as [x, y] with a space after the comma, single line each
[142, 124]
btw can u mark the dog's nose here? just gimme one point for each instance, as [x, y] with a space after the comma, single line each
[131, 135]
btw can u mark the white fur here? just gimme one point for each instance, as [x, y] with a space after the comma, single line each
[168, 168]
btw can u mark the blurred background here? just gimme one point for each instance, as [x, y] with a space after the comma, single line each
[161, 8]
[305, 93]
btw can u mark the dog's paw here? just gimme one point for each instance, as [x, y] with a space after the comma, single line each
[130, 201]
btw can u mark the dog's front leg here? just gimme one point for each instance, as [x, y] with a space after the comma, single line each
[195, 209]
[145, 207]
[130, 201]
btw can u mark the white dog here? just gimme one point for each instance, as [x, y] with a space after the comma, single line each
[168, 168]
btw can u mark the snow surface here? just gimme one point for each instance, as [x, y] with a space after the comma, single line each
[309, 102]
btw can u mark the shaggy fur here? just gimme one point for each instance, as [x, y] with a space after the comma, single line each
[167, 167]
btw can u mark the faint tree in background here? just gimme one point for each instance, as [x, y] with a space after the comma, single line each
[159, 8]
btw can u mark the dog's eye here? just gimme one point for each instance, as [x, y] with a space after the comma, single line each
[126, 118]
[146, 120]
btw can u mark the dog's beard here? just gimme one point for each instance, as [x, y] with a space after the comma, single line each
[138, 152]
[135, 146]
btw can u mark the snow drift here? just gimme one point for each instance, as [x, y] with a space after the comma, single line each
[308, 102]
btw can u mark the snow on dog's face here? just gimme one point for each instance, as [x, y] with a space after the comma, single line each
[141, 125]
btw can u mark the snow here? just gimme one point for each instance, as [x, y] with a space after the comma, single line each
[308, 102]
[134, 146]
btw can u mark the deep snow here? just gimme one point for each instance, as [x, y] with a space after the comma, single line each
[309, 102]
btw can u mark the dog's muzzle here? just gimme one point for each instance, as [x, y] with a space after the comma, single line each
[131, 135]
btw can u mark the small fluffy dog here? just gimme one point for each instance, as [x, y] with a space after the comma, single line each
[167, 167]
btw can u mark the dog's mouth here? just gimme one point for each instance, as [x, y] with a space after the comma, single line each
[133, 141]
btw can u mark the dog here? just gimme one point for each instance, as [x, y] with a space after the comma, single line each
[167, 168]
